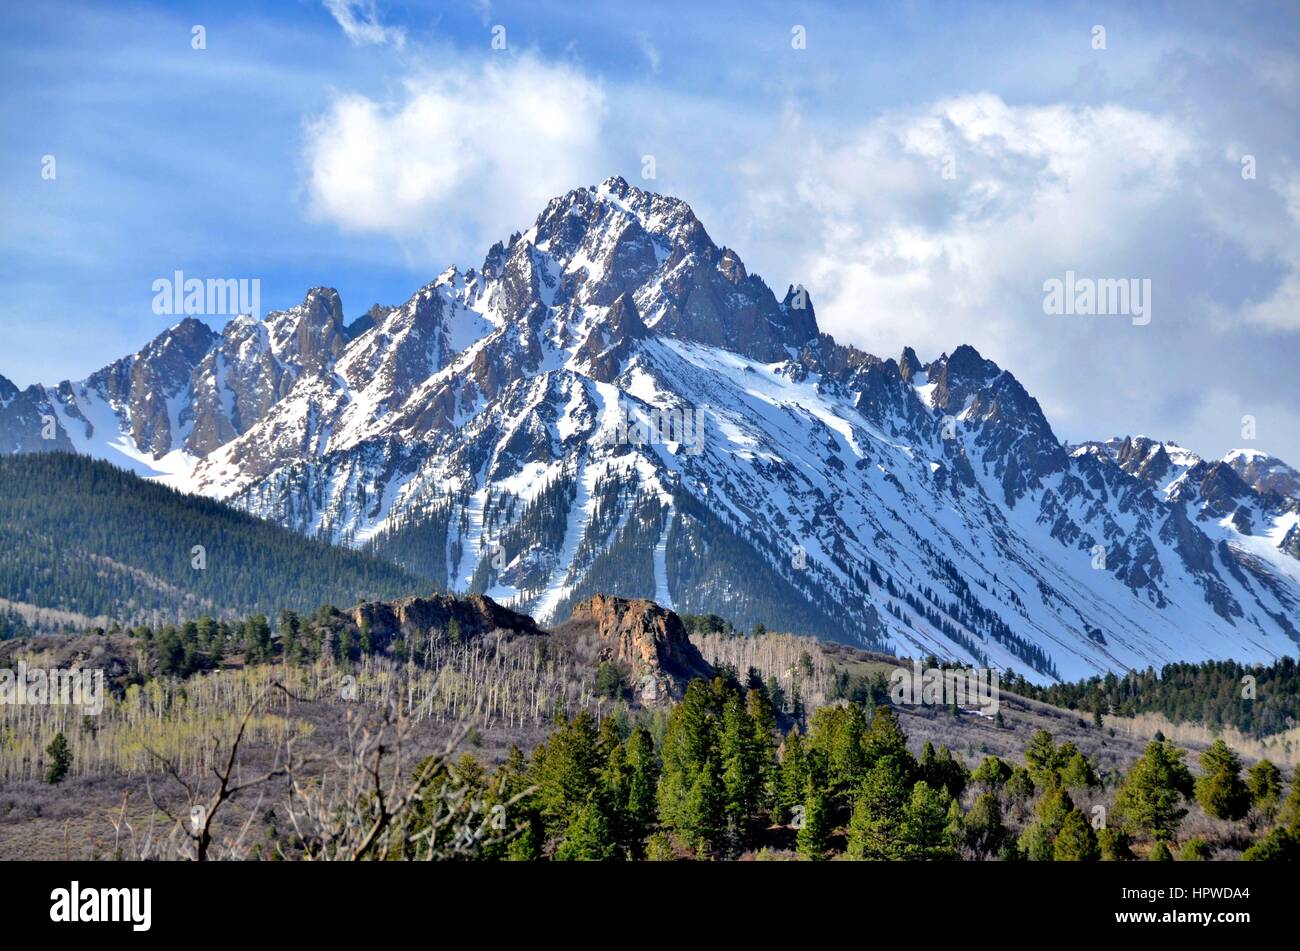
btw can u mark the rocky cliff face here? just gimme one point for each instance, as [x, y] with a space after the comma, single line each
[475, 616]
[647, 641]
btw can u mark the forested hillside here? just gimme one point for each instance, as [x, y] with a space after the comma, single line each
[85, 537]
[1256, 699]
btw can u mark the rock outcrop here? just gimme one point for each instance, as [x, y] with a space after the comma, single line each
[475, 615]
[647, 640]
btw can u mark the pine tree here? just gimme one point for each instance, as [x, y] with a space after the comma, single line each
[1078, 773]
[985, 833]
[886, 740]
[690, 744]
[793, 775]
[876, 826]
[60, 755]
[992, 774]
[926, 835]
[1115, 845]
[1265, 784]
[837, 733]
[642, 780]
[1195, 849]
[1220, 789]
[813, 837]
[1076, 842]
[1152, 793]
[566, 771]
[704, 817]
[1039, 839]
[589, 836]
[1290, 813]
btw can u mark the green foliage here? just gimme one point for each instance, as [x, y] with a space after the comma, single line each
[927, 835]
[1160, 852]
[1280, 845]
[1152, 793]
[1195, 849]
[880, 811]
[1264, 780]
[837, 733]
[1038, 840]
[1220, 789]
[942, 770]
[1209, 693]
[718, 758]
[1076, 842]
[1116, 845]
[83, 536]
[609, 680]
[813, 838]
[993, 773]
[984, 831]
[60, 759]
[1290, 813]
[589, 836]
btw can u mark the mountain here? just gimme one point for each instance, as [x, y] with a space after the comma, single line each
[611, 403]
[81, 536]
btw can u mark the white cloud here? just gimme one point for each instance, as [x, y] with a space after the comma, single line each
[895, 252]
[360, 22]
[468, 155]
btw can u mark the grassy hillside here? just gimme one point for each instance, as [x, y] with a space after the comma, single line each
[81, 536]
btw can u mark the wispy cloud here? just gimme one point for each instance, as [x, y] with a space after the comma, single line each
[360, 22]
[651, 51]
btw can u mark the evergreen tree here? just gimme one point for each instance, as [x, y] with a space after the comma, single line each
[1265, 784]
[1078, 773]
[876, 826]
[60, 754]
[944, 771]
[704, 818]
[642, 780]
[925, 833]
[1195, 849]
[1115, 845]
[1280, 845]
[992, 774]
[690, 748]
[1076, 842]
[1160, 852]
[742, 766]
[1038, 840]
[589, 836]
[886, 740]
[1290, 813]
[813, 837]
[1220, 789]
[793, 775]
[1152, 793]
[837, 733]
[985, 833]
[566, 772]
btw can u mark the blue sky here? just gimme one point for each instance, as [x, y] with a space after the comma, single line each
[366, 146]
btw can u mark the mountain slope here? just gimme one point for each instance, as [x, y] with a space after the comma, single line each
[82, 536]
[612, 403]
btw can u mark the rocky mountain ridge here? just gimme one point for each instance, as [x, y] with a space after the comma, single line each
[528, 430]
